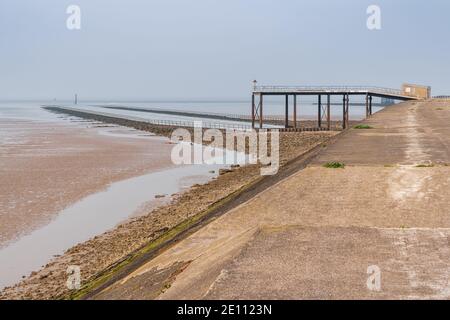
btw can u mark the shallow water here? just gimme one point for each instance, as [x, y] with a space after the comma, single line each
[306, 107]
[307, 111]
[94, 215]
[136, 115]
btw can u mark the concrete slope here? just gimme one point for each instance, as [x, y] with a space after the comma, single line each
[321, 233]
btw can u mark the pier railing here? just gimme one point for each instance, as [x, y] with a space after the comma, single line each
[202, 114]
[442, 97]
[205, 124]
[172, 123]
[327, 89]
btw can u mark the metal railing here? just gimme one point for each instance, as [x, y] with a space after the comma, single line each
[203, 114]
[442, 97]
[327, 89]
[172, 123]
[211, 125]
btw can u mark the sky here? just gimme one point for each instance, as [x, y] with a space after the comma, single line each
[142, 50]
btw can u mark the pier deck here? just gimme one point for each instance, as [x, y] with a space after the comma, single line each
[323, 107]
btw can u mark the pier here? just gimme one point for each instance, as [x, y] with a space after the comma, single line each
[324, 95]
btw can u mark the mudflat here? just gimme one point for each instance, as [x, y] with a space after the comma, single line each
[46, 167]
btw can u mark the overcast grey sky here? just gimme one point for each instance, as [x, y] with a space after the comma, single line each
[212, 49]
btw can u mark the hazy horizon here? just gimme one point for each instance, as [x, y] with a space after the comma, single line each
[211, 50]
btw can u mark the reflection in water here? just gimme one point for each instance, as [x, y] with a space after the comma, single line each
[94, 215]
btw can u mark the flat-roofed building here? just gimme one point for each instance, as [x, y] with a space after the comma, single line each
[414, 90]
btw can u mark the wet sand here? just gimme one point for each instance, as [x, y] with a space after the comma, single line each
[46, 167]
[112, 247]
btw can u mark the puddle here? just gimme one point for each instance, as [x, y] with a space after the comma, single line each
[120, 132]
[96, 214]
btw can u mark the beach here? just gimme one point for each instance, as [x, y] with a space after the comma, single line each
[105, 250]
[67, 180]
[54, 165]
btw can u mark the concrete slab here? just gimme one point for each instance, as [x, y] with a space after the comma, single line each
[337, 263]
[314, 234]
[409, 133]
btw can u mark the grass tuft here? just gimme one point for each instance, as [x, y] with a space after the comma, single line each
[334, 165]
[430, 165]
[363, 126]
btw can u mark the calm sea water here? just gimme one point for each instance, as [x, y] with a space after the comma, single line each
[97, 212]
[306, 109]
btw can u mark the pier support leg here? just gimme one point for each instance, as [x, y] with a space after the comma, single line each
[344, 126]
[347, 112]
[328, 113]
[319, 111]
[295, 111]
[367, 106]
[253, 111]
[370, 105]
[261, 111]
[286, 113]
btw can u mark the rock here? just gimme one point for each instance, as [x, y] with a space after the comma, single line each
[224, 171]
[159, 196]
[165, 229]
